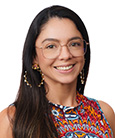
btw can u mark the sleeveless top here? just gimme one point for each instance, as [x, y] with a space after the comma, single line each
[84, 121]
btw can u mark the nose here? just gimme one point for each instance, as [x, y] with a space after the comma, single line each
[64, 53]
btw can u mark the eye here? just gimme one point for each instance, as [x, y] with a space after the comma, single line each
[75, 44]
[50, 46]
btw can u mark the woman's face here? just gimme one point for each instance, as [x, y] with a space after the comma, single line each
[65, 68]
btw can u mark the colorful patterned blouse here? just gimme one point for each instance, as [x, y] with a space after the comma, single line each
[84, 121]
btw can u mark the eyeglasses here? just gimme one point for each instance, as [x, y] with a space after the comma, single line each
[51, 49]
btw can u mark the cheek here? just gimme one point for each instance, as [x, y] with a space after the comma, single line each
[39, 56]
[81, 63]
[43, 62]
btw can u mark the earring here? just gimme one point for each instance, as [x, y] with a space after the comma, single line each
[25, 79]
[82, 77]
[36, 67]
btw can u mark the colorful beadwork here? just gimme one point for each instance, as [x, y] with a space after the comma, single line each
[84, 121]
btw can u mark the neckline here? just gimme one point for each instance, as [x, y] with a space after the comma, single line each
[79, 98]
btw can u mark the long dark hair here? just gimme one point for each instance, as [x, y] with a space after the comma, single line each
[32, 117]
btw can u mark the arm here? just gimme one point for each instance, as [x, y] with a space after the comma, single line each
[5, 125]
[109, 114]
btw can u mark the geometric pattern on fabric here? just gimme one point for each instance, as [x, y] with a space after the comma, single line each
[87, 120]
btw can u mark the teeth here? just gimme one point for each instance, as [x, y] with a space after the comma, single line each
[64, 68]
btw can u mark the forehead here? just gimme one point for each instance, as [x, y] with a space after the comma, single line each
[59, 28]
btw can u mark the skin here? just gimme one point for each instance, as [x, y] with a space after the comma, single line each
[63, 82]
[5, 126]
[61, 85]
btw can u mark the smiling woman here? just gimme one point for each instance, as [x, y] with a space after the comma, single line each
[64, 57]
[50, 102]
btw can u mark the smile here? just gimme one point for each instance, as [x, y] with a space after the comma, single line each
[64, 67]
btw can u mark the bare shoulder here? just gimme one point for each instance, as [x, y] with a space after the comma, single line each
[109, 114]
[5, 124]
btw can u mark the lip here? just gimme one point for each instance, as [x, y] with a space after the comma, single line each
[64, 68]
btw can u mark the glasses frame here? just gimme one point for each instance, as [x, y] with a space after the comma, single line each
[41, 47]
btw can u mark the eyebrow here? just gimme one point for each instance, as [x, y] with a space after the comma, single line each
[53, 39]
[50, 39]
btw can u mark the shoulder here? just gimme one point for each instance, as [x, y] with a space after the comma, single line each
[109, 114]
[5, 124]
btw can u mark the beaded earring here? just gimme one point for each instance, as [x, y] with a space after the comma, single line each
[82, 77]
[34, 67]
[25, 80]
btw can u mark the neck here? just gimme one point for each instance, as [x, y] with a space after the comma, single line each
[62, 94]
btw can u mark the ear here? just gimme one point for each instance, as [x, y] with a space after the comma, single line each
[35, 61]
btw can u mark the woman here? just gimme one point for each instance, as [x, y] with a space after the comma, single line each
[50, 101]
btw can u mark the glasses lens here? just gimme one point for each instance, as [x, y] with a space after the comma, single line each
[77, 47]
[51, 50]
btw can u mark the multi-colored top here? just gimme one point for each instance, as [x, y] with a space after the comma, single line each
[84, 121]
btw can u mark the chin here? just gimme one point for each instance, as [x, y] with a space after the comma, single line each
[68, 81]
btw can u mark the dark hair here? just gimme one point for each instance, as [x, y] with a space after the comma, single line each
[33, 116]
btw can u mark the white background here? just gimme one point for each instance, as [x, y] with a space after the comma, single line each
[99, 18]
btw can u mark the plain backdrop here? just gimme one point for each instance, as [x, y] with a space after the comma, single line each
[99, 18]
